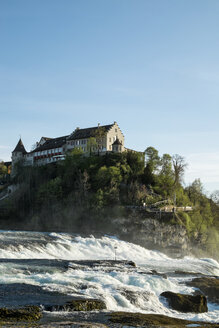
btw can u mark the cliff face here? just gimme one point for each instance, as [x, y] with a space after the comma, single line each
[149, 231]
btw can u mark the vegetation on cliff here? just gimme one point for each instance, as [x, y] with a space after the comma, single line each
[95, 184]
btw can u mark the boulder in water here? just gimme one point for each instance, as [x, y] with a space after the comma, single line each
[186, 303]
[207, 285]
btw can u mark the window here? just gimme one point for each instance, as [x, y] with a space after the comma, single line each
[109, 139]
[115, 130]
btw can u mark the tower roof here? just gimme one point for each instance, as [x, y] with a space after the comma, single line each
[117, 142]
[20, 148]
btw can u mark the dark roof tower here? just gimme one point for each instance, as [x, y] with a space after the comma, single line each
[19, 148]
[117, 142]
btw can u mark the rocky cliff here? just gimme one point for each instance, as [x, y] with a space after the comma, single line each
[154, 231]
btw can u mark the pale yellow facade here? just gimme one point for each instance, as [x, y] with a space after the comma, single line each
[104, 144]
[113, 134]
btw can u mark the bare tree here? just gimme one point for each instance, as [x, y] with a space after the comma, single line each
[179, 166]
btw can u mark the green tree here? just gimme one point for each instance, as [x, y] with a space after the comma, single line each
[215, 209]
[165, 178]
[195, 191]
[152, 158]
[166, 165]
[99, 136]
[215, 197]
[91, 145]
[50, 191]
[3, 170]
[98, 200]
[108, 176]
[135, 161]
[148, 177]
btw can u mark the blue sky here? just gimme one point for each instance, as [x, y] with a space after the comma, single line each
[152, 66]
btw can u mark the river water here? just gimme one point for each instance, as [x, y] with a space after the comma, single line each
[34, 266]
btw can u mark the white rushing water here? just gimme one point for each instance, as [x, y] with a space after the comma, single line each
[130, 289]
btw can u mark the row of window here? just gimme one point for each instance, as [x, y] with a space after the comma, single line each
[47, 155]
[85, 149]
[77, 142]
[49, 151]
[50, 159]
[84, 141]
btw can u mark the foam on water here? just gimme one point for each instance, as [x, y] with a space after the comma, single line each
[66, 246]
[126, 291]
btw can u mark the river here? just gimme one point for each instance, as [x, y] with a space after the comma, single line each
[34, 266]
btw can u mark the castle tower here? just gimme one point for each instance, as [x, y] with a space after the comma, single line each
[18, 153]
[117, 146]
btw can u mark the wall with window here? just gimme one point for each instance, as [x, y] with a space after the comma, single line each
[114, 133]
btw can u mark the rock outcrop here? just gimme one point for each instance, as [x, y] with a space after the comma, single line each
[152, 231]
[208, 286]
[155, 320]
[186, 303]
[29, 313]
[79, 305]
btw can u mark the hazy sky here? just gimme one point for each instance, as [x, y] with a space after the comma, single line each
[152, 66]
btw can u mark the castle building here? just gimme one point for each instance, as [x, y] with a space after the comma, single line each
[99, 139]
[48, 150]
[104, 137]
